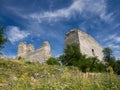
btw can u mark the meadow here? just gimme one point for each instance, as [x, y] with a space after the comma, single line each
[21, 75]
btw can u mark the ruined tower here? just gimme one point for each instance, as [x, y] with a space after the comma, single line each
[40, 55]
[24, 49]
[88, 45]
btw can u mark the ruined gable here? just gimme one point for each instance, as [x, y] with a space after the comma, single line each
[40, 55]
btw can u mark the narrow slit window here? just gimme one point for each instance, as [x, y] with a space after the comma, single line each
[93, 52]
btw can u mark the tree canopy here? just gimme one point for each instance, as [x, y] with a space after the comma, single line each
[3, 39]
[111, 60]
[108, 54]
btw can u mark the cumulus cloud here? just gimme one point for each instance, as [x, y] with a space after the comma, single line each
[82, 7]
[15, 34]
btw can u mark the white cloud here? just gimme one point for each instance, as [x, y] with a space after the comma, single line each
[83, 7]
[113, 37]
[114, 46]
[61, 13]
[107, 17]
[110, 37]
[15, 34]
[117, 39]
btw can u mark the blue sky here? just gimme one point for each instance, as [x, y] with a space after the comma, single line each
[35, 21]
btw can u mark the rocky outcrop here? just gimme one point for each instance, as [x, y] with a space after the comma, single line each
[40, 55]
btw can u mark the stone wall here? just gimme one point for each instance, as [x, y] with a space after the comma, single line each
[88, 45]
[72, 37]
[40, 55]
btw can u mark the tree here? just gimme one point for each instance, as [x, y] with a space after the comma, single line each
[71, 55]
[118, 67]
[110, 59]
[52, 61]
[3, 39]
[107, 54]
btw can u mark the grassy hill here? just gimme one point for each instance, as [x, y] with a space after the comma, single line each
[21, 75]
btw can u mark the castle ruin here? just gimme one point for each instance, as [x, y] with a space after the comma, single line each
[88, 46]
[40, 55]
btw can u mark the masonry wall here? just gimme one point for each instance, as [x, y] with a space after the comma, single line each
[72, 37]
[40, 55]
[24, 49]
[87, 44]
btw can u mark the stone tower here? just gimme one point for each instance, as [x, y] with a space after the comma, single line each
[88, 45]
[24, 49]
[40, 55]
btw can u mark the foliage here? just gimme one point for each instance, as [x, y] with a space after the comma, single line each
[52, 61]
[19, 58]
[3, 39]
[107, 54]
[118, 67]
[111, 60]
[73, 57]
[91, 64]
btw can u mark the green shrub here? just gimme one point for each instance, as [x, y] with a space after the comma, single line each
[52, 61]
[19, 58]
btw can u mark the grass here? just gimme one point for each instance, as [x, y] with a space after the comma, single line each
[21, 75]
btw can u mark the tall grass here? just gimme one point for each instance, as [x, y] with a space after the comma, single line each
[19, 75]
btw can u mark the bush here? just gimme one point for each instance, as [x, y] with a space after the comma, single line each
[72, 55]
[52, 61]
[19, 58]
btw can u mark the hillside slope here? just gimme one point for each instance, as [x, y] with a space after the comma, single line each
[21, 75]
